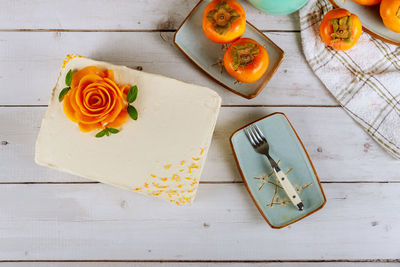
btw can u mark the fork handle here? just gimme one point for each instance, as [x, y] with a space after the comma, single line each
[289, 189]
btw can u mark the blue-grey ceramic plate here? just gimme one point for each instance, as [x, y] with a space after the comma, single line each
[192, 42]
[262, 185]
[370, 19]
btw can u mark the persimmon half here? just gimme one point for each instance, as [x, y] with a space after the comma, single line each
[340, 29]
[246, 60]
[367, 2]
[390, 14]
[224, 21]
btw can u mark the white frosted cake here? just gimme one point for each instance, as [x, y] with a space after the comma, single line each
[135, 130]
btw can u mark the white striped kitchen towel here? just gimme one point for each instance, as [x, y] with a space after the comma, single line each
[365, 80]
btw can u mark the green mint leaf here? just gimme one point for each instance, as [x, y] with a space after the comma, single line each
[63, 93]
[132, 94]
[132, 112]
[113, 130]
[68, 78]
[102, 133]
[107, 132]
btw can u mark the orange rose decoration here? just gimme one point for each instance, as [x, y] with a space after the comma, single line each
[95, 101]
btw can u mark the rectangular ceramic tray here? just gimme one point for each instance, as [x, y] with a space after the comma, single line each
[193, 43]
[257, 174]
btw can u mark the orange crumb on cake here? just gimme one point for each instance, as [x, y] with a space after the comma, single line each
[176, 177]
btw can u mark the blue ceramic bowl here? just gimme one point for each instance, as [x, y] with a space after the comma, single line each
[278, 7]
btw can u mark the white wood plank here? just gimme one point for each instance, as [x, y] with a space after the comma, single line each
[96, 221]
[200, 264]
[339, 148]
[120, 14]
[30, 63]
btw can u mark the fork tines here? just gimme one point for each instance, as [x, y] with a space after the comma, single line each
[254, 135]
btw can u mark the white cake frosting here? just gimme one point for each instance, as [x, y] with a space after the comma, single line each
[161, 154]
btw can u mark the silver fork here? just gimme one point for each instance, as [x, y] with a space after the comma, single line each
[260, 145]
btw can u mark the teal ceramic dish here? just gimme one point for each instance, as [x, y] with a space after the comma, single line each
[192, 42]
[370, 19]
[257, 174]
[278, 7]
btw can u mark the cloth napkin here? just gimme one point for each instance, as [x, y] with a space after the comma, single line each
[365, 80]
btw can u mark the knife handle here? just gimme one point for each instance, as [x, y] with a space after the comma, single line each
[289, 189]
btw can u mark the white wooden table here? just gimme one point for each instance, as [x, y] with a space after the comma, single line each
[48, 218]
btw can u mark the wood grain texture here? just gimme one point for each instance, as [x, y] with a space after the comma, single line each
[200, 264]
[99, 222]
[339, 148]
[118, 15]
[28, 72]
[96, 221]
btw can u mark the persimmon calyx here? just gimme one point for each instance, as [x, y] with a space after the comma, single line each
[222, 17]
[244, 54]
[398, 13]
[342, 29]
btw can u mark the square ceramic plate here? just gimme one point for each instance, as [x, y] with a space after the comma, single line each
[287, 149]
[191, 40]
[370, 19]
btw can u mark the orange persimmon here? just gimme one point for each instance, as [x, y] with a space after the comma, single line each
[224, 21]
[390, 13]
[367, 2]
[95, 101]
[340, 29]
[246, 60]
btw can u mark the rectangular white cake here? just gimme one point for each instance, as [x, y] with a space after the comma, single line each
[160, 154]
